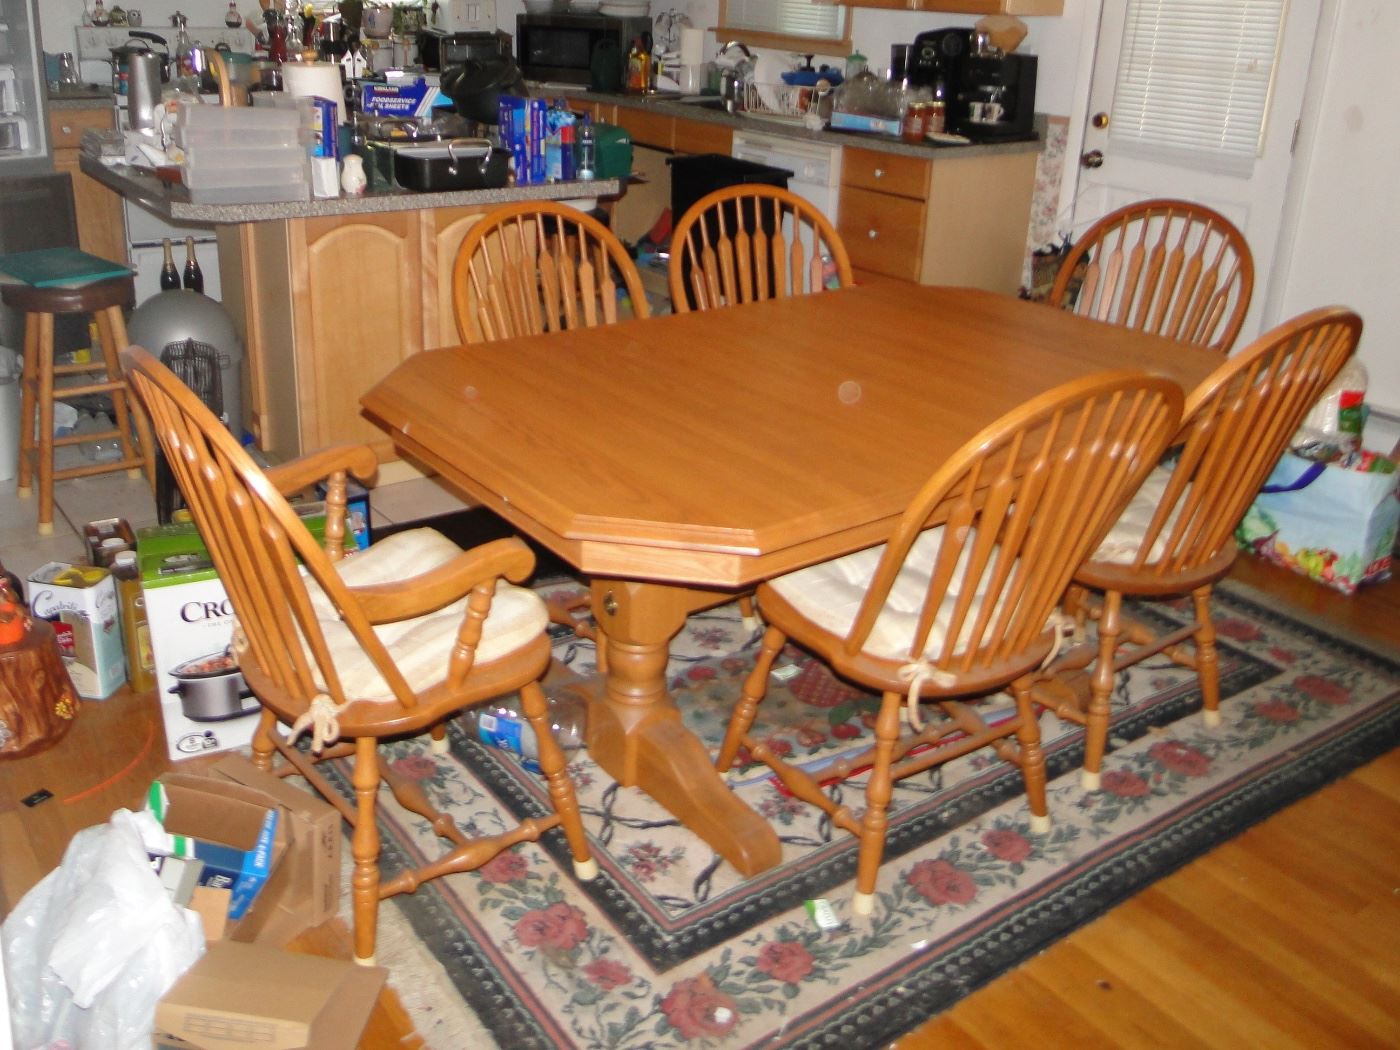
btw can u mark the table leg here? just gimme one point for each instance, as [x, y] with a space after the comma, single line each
[635, 731]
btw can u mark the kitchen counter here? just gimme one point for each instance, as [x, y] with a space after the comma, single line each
[81, 96]
[327, 296]
[173, 202]
[672, 107]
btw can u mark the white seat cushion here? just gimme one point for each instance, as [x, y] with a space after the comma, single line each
[830, 595]
[420, 647]
[1121, 545]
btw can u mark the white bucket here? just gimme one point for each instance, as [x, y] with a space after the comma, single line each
[9, 413]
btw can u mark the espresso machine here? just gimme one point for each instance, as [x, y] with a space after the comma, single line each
[990, 94]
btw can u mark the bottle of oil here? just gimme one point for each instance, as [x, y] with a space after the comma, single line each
[136, 632]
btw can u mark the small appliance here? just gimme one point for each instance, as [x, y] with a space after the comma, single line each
[439, 50]
[561, 48]
[990, 94]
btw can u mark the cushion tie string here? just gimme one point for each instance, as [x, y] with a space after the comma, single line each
[916, 673]
[919, 671]
[321, 719]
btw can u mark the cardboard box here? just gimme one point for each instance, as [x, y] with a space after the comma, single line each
[305, 890]
[303, 887]
[81, 603]
[248, 995]
[238, 835]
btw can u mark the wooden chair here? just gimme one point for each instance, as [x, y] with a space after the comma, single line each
[393, 641]
[540, 266]
[747, 243]
[962, 609]
[1177, 535]
[1164, 266]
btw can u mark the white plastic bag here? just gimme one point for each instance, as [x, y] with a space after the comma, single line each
[92, 948]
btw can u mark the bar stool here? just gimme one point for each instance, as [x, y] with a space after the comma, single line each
[104, 300]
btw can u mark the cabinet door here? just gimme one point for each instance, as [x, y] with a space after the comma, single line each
[648, 129]
[445, 229]
[101, 222]
[357, 290]
[882, 233]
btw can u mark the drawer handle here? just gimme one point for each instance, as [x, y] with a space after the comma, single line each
[879, 173]
[872, 234]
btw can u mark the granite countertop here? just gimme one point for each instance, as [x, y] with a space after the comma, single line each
[671, 107]
[81, 96]
[173, 202]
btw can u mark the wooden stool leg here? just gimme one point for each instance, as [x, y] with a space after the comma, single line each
[111, 331]
[44, 394]
[28, 412]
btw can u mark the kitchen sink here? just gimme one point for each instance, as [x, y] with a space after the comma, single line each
[702, 101]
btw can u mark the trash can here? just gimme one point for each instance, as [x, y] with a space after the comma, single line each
[695, 176]
[9, 413]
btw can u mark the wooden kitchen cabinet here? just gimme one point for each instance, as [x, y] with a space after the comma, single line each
[101, 221]
[954, 220]
[657, 130]
[698, 136]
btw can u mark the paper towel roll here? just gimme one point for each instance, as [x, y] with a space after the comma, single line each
[692, 47]
[315, 80]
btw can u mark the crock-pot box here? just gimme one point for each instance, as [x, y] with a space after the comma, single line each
[206, 705]
[81, 603]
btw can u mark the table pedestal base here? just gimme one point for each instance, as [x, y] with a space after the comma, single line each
[635, 732]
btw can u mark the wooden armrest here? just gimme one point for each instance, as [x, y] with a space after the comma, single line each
[290, 478]
[417, 595]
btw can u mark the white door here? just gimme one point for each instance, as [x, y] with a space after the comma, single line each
[1116, 170]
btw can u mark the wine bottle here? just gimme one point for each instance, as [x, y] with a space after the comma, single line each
[169, 276]
[194, 276]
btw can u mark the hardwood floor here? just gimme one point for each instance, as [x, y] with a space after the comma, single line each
[1287, 936]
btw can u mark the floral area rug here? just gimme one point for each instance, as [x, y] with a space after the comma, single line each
[670, 947]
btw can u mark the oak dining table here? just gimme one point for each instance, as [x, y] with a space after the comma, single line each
[677, 460]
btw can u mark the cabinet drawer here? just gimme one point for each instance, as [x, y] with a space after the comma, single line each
[696, 136]
[648, 129]
[882, 233]
[886, 172]
[66, 126]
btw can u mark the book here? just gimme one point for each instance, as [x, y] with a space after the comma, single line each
[59, 268]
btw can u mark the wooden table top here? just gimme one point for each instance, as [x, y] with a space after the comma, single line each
[725, 447]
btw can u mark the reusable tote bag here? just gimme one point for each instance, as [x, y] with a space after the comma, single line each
[1325, 521]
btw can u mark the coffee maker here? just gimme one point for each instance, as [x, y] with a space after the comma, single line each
[990, 94]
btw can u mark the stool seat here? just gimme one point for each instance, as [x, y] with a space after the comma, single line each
[84, 299]
[104, 300]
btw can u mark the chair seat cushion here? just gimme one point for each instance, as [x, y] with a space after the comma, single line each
[420, 646]
[1121, 545]
[830, 595]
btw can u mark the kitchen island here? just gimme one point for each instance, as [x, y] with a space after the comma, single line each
[328, 295]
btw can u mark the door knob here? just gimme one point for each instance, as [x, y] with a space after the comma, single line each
[1092, 159]
[1099, 120]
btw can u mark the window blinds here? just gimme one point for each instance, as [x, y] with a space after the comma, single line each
[793, 17]
[1193, 81]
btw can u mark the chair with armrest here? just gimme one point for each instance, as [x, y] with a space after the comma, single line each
[1168, 267]
[951, 613]
[1176, 536]
[747, 243]
[540, 266]
[391, 642]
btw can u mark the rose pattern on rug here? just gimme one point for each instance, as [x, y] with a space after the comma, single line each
[953, 909]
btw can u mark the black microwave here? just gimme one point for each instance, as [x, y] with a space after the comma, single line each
[576, 49]
[438, 50]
